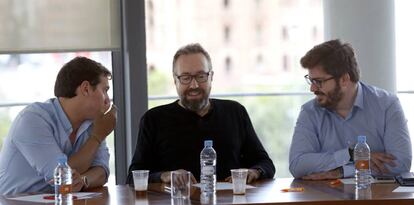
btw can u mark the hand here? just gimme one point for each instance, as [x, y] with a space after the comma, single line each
[104, 123]
[332, 174]
[77, 182]
[252, 175]
[166, 176]
[378, 161]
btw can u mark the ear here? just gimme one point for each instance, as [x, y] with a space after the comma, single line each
[211, 75]
[175, 80]
[85, 88]
[344, 80]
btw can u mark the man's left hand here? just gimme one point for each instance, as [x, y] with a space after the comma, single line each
[77, 182]
[332, 174]
[252, 175]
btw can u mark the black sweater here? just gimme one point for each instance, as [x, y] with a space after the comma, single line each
[171, 138]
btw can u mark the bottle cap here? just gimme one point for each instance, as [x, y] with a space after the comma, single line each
[208, 143]
[362, 139]
[62, 159]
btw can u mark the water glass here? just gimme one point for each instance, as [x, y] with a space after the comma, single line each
[180, 184]
[140, 179]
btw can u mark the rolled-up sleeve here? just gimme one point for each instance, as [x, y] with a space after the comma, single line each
[102, 158]
[305, 155]
[397, 139]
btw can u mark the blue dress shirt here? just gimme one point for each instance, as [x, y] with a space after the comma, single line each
[321, 138]
[37, 136]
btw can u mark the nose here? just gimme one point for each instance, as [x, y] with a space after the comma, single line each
[313, 87]
[193, 83]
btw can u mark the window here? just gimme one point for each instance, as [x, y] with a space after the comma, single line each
[227, 33]
[404, 71]
[226, 3]
[228, 65]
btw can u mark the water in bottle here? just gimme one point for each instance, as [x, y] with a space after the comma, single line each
[208, 169]
[63, 181]
[362, 163]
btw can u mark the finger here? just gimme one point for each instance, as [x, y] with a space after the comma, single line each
[385, 157]
[389, 156]
[249, 177]
[308, 177]
[380, 165]
[375, 168]
[113, 109]
[392, 164]
[316, 176]
[228, 179]
[193, 179]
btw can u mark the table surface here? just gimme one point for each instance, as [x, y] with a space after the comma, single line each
[267, 192]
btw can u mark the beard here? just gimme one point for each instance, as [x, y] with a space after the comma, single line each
[332, 97]
[195, 105]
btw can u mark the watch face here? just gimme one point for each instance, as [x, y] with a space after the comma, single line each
[85, 181]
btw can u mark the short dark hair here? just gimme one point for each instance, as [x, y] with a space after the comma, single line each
[335, 57]
[193, 48]
[74, 72]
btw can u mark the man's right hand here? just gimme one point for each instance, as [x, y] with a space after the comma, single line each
[378, 161]
[104, 124]
[166, 176]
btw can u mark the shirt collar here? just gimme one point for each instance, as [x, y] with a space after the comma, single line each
[64, 120]
[62, 117]
[359, 100]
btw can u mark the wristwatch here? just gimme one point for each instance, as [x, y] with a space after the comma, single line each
[85, 182]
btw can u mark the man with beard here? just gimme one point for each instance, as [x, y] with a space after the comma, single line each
[344, 108]
[171, 136]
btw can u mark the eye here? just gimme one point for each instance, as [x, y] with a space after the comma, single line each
[315, 81]
[201, 76]
[185, 77]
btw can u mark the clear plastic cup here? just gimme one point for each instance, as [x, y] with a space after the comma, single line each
[239, 177]
[140, 180]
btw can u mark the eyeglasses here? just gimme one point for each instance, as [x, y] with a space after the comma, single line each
[317, 82]
[199, 77]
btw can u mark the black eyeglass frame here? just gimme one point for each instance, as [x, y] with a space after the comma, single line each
[317, 82]
[199, 77]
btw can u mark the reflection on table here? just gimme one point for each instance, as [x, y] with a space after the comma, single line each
[267, 191]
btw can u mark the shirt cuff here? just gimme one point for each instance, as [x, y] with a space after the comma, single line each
[349, 170]
[342, 157]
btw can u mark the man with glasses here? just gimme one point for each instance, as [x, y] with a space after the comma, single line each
[171, 136]
[344, 108]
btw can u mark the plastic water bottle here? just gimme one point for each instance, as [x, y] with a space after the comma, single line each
[208, 169]
[362, 163]
[63, 181]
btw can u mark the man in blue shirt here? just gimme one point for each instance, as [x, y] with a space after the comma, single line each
[73, 124]
[328, 126]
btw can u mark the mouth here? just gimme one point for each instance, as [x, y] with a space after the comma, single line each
[194, 93]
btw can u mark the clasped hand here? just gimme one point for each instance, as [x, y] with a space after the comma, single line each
[105, 123]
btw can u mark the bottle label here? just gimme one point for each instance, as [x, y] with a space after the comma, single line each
[362, 164]
[65, 188]
[207, 170]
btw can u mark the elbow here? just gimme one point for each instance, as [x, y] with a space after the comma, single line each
[295, 170]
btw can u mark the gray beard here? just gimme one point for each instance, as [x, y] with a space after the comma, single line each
[194, 105]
